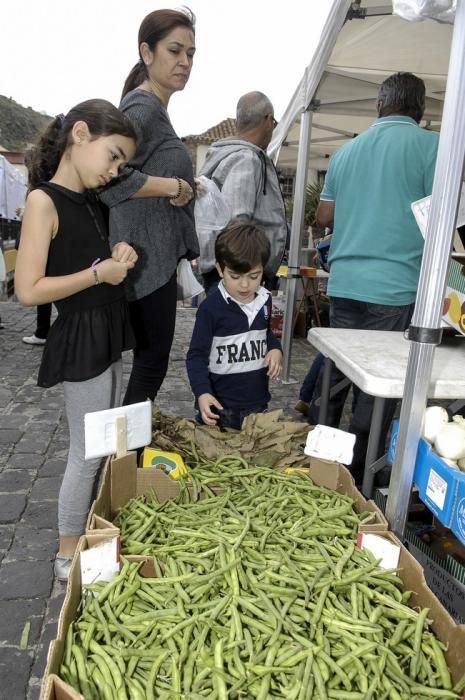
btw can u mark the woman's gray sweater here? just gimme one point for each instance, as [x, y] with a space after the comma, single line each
[160, 233]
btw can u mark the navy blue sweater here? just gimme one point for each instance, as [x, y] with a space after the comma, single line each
[225, 356]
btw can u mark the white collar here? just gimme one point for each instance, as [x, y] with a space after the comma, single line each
[251, 308]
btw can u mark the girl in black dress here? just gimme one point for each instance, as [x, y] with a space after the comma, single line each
[64, 257]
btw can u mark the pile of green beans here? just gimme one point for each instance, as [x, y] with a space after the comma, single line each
[260, 593]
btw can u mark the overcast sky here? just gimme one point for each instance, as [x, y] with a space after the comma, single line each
[56, 53]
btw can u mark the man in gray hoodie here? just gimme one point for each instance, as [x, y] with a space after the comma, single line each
[247, 178]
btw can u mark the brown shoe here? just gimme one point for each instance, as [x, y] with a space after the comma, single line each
[302, 407]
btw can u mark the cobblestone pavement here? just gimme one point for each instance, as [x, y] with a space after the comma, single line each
[33, 448]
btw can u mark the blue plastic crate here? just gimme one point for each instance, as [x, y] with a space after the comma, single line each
[458, 516]
[440, 487]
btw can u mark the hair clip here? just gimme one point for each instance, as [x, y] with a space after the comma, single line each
[60, 119]
[184, 10]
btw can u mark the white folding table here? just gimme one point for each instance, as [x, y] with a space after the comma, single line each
[376, 362]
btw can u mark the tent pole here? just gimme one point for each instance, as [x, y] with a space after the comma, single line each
[298, 213]
[425, 331]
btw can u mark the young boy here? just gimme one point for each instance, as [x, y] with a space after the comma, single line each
[233, 352]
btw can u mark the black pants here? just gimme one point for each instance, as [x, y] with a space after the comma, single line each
[350, 313]
[153, 318]
[44, 314]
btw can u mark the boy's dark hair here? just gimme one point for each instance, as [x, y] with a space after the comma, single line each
[102, 119]
[241, 246]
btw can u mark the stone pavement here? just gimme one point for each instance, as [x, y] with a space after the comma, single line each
[33, 448]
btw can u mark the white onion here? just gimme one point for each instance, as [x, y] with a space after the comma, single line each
[450, 441]
[450, 462]
[461, 465]
[434, 418]
[460, 420]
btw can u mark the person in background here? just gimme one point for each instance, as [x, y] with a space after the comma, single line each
[309, 385]
[2, 268]
[233, 352]
[39, 337]
[150, 202]
[64, 257]
[247, 178]
[376, 245]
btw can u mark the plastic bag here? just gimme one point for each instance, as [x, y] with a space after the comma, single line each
[2, 267]
[418, 10]
[188, 285]
[212, 213]
[322, 249]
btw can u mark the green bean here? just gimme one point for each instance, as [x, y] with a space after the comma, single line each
[100, 654]
[414, 662]
[153, 674]
[320, 685]
[432, 692]
[104, 689]
[441, 664]
[81, 672]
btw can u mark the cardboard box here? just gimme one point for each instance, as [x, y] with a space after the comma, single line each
[411, 573]
[277, 313]
[454, 302]
[53, 688]
[122, 480]
[338, 478]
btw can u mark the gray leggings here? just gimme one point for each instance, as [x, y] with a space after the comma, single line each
[80, 476]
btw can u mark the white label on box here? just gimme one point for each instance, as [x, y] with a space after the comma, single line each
[387, 552]
[436, 489]
[421, 209]
[330, 444]
[100, 429]
[100, 563]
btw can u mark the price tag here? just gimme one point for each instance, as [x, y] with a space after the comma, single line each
[436, 489]
[329, 443]
[100, 563]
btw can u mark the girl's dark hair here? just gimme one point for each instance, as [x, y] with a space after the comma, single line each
[102, 119]
[241, 246]
[153, 29]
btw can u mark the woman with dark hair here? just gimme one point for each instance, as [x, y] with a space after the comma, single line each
[150, 203]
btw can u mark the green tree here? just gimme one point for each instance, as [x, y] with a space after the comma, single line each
[312, 198]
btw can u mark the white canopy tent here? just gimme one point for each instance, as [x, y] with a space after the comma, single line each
[361, 44]
[340, 84]
[425, 330]
[13, 190]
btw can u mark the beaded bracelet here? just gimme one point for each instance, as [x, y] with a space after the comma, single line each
[93, 267]
[178, 193]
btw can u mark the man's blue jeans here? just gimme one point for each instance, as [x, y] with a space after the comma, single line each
[311, 378]
[350, 313]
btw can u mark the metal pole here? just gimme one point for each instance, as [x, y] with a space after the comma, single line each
[425, 329]
[296, 239]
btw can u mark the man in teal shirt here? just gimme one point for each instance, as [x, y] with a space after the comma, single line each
[376, 246]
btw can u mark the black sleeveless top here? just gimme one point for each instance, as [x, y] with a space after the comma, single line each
[92, 328]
